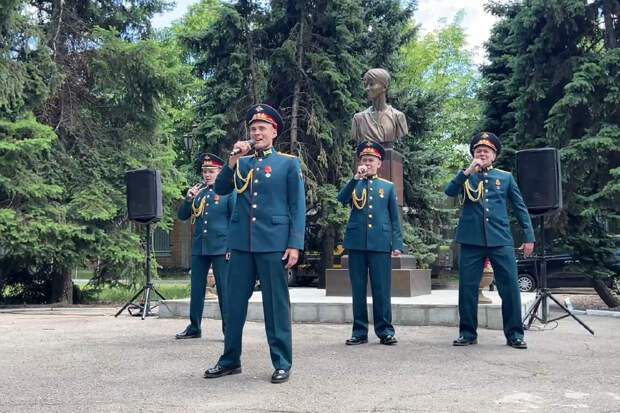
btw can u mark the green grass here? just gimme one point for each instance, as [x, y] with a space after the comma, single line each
[173, 275]
[85, 274]
[119, 295]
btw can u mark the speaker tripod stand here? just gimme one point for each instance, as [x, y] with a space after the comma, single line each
[543, 293]
[144, 307]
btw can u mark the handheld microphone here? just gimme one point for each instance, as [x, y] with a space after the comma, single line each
[235, 151]
[199, 187]
[478, 168]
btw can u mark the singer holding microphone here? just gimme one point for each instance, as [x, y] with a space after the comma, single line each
[267, 233]
[372, 234]
[210, 215]
[484, 231]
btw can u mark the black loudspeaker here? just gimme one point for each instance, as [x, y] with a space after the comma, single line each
[540, 179]
[144, 195]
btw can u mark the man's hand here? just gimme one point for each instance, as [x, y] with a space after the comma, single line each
[244, 147]
[527, 249]
[193, 191]
[396, 253]
[291, 255]
[361, 172]
[475, 165]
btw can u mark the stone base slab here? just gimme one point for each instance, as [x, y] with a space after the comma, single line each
[403, 261]
[405, 283]
[311, 305]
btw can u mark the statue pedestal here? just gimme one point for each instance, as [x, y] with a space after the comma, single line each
[406, 281]
[392, 170]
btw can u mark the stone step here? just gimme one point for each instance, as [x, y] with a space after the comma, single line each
[311, 305]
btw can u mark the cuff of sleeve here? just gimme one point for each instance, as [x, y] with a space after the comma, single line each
[460, 178]
[296, 243]
[227, 172]
[528, 236]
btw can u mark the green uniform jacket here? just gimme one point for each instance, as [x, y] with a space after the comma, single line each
[375, 227]
[485, 222]
[211, 227]
[270, 213]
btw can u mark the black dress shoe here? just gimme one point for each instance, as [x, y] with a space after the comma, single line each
[219, 371]
[280, 376]
[185, 334]
[517, 343]
[388, 340]
[354, 341]
[462, 341]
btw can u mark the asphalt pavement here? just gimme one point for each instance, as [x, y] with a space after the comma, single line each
[85, 360]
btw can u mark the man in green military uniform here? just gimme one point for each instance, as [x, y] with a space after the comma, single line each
[267, 233]
[211, 215]
[484, 231]
[372, 233]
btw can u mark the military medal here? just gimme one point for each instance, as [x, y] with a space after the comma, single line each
[268, 171]
[381, 192]
[497, 182]
[217, 199]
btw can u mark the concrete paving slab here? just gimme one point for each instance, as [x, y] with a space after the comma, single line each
[90, 361]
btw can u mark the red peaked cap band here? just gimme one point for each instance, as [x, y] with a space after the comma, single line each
[264, 117]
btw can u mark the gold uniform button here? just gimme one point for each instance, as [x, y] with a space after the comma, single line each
[257, 169]
[370, 182]
[204, 231]
[253, 218]
[255, 193]
[487, 219]
[369, 215]
[486, 190]
[370, 189]
[260, 159]
[487, 209]
[206, 213]
[486, 181]
[485, 174]
[253, 205]
[369, 225]
[370, 197]
[256, 181]
[370, 206]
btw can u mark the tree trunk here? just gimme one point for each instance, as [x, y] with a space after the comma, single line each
[327, 253]
[610, 32]
[245, 9]
[62, 287]
[605, 293]
[252, 65]
[297, 87]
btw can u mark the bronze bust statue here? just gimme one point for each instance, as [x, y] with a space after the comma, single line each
[380, 122]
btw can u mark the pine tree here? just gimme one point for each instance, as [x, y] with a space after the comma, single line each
[103, 107]
[316, 64]
[322, 50]
[552, 82]
[229, 59]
